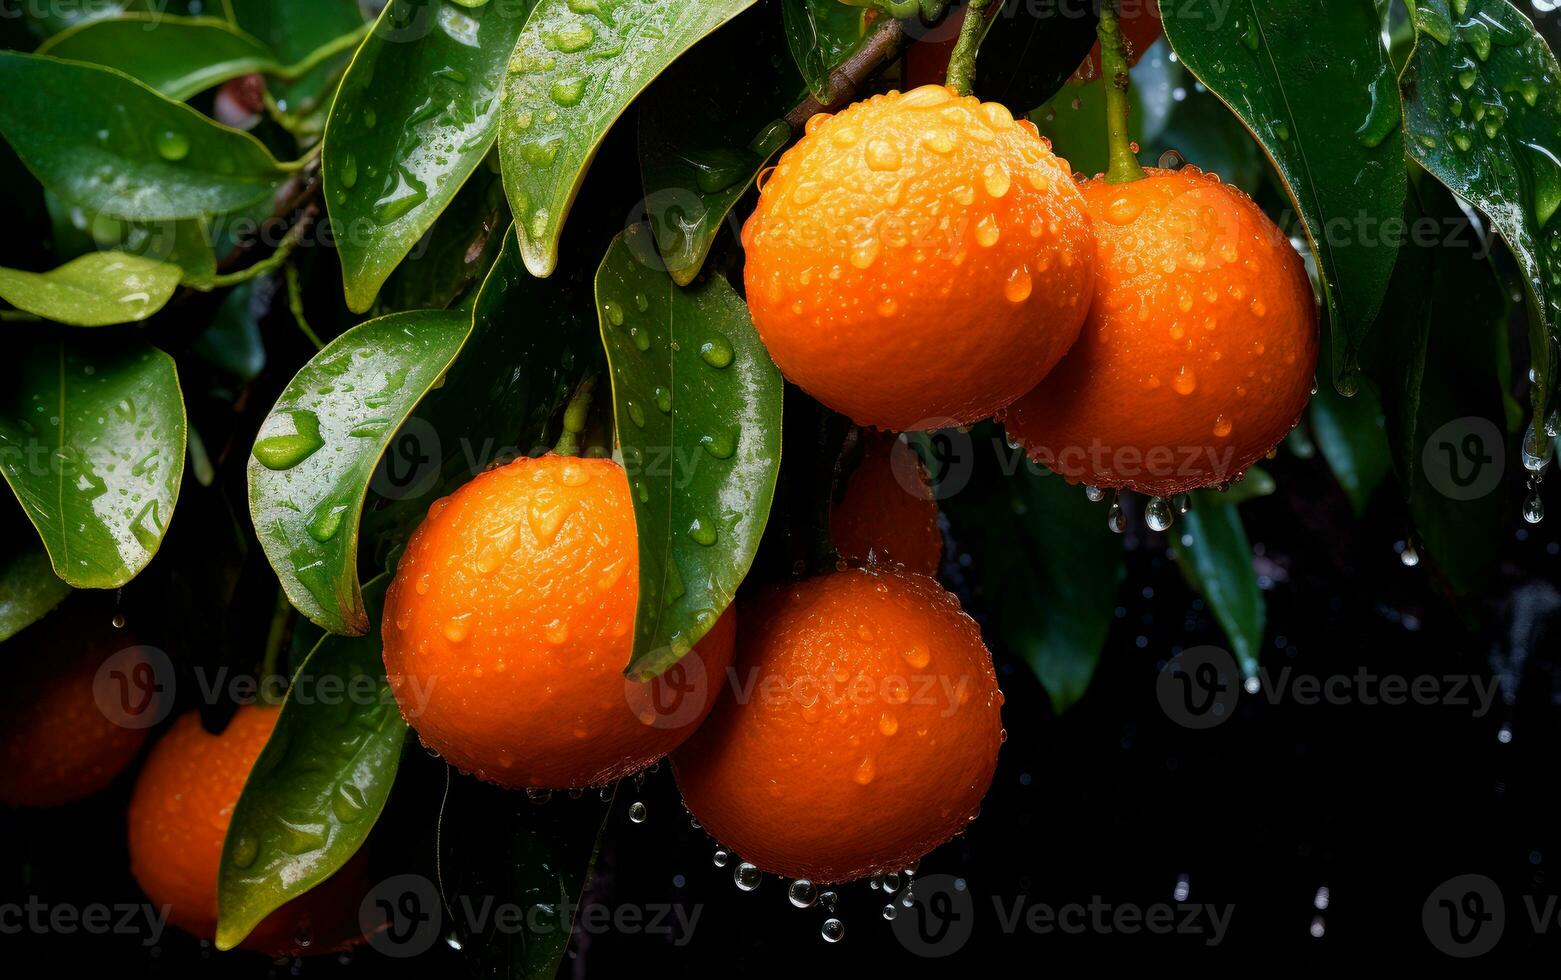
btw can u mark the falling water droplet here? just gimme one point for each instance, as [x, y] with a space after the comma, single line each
[1533, 507]
[802, 893]
[747, 877]
[1094, 494]
[1158, 514]
[722, 856]
[1409, 556]
[637, 812]
[833, 930]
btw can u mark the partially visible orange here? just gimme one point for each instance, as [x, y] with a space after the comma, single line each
[860, 732]
[59, 741]
[918, 260]
[887, 512]
[179, 815]
[1200, 349]
[508, 627]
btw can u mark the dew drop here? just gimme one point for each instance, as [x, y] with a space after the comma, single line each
[747, 877]
[717, 352]
[883, 156]
[1019, 285]
[987, 232]
[1094, 494]
[173, 145]
[284, 451]
[833, 930]
[1157, 515]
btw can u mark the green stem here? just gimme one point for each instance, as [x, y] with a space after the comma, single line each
[295, 303]
[266, 265]
[281, 617]
[323, 53]
[962, 64]
[18, 316]
[1124, 167]
[577, 415]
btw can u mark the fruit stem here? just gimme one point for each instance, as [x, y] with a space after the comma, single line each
[1124, 167]
[271, 662]
[577, 415]
[962, 63]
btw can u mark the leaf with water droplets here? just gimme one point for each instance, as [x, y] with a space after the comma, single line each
[92, 441]
[88, 133]
[97, 290]
[417, 113]
[28, 589]
[703, 470]
[1483, 108]
[1312, 82]
[185, 55]
[319, 448]
[576, 69]
[706, 129]
[328, 766]
[1043, 559]
[1211, 546]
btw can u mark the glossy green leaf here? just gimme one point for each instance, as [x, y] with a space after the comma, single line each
[1350, 434]
[1043, 562]
[1031, 48]
[1181, 115]
[310, 468]
[28, 589]
[178, 56]
[571, 76]
[698, 407]
[1312, 81]
[707, 127]
[328, 767]
[52, 18]
[301, 31]
[821, 34]
[107, 141]
[79, 231]
[415, 116]
[1211, 546]
[92, 437]
[96, 290]
[457, 252]
[531, 343]
[1483, 110]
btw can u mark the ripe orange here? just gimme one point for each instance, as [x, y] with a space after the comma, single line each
[861, 729]
[509, 623]
[1199, 351]
[918, 260]
[58, 744]
[179, 814]
[887, 511]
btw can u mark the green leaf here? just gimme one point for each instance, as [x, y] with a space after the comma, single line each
[1349, 432]
[821, 34]
[328, 767]
[415, 116]
[698, 407]
[457, 251]
[1031, 48]
[707, 127]
[28, 589]
[1311, 80]
[310, 468]
[96, 290]
[571, 76]
[1045, 562]
[177, 56]
[531, 343]
[92, 442]
[232, 342]
[301, 31]
[79, 231]
[1483, 110]
[103, 139]
[1188, 119]
[1216, 557]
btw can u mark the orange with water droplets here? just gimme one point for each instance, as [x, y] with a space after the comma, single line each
[509, 624]
[918, 260]
[1200, 349]
[178, 816]
[60, 739]
[860, 732]
[887, 512]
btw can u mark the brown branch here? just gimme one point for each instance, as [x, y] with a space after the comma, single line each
[885, 44]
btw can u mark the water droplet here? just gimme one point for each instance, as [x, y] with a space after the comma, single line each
[1157, 515]
[833, 930]
[865, 253]
[538, 796]
[1185, 382]
[286, 450]
[802, 893]
[883, 156]
[722, 856]
[326, 520]
[1409, 556]
[996, 180]
[405, 194]
[637, 812]
[703, 532]
[1222, 426]
[1533, 507]
[1115, 519]
[1094, 494]
[717, 352]
[1019, 285]
[747, 877]
[1434, 23]
[567, 92]
[245, 850]
[1124, 210]
[348, 174]
[938, 140]
[987, 232]
[173, 145]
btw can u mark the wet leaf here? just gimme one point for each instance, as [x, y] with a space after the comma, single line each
[1211, 546]
[96, 290]
[310, 468]
[1044, 563]
[52, 18]
[707, 127]
[105, 140]
[177, 56]
[821, 34]
[1483, 111]
[1349, 432]
[92, 437]
[698, 407]
[28, 589]
[571, 76]
[417, 113]
[79, 231]
[1030, 50]
[1312, 82]
[320, 783]
[457, 252]
[300, 31]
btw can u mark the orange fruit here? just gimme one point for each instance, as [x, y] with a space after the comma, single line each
[509, 623]
[861, 729]
[1199, 351]
[60, 741]
[918, 260]
[887, 511]
[179, 815]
